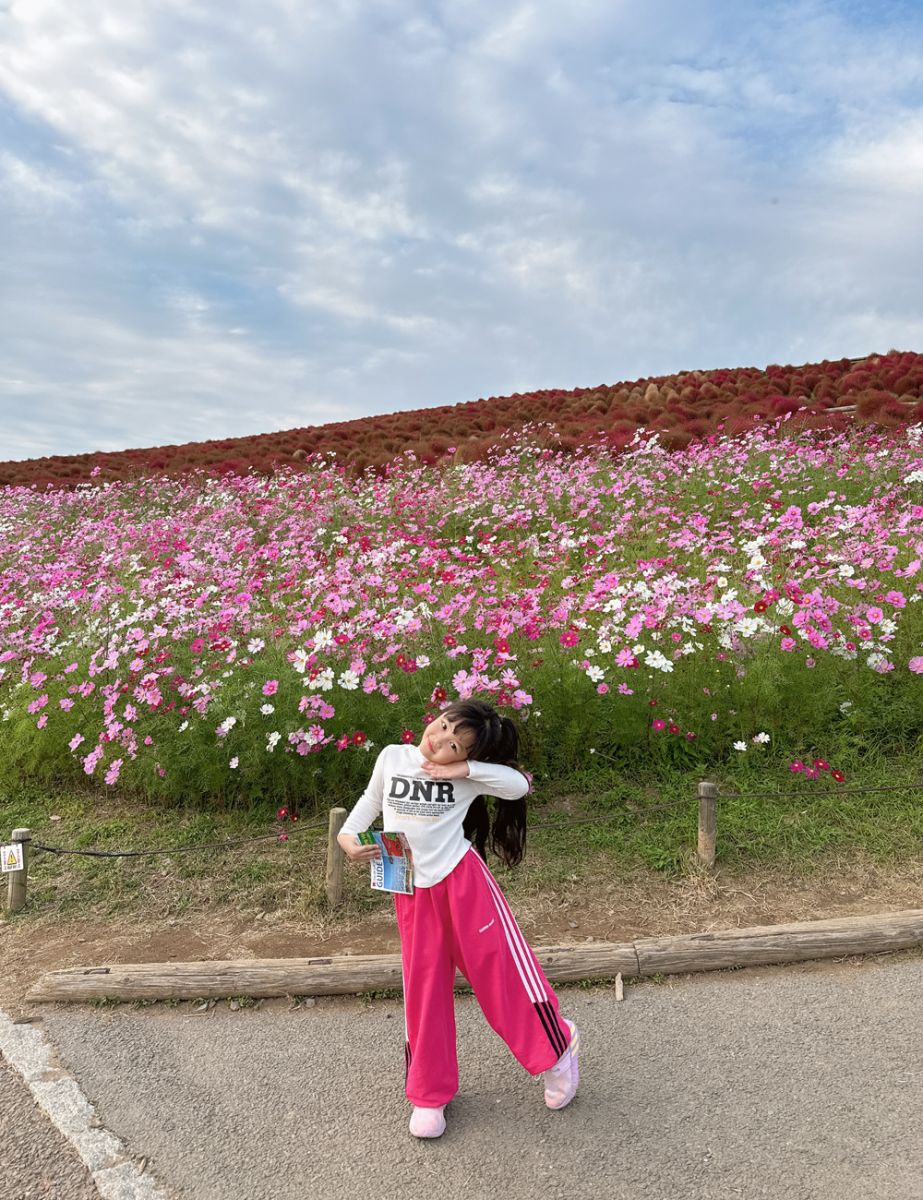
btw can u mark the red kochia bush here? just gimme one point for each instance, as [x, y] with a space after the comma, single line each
[692, 403]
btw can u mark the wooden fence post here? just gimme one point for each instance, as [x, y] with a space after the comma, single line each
[708, 793]
[16, 893]
[335, 857]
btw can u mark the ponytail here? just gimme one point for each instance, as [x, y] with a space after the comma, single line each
[506, 835]
[496, 740]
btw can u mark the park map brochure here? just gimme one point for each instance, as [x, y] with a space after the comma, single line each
[393, 872]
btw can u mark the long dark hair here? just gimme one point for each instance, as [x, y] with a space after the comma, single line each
[496, 740]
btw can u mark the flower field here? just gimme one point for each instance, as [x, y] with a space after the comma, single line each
[753, 599]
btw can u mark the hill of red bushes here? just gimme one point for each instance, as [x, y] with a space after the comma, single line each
[885, 389]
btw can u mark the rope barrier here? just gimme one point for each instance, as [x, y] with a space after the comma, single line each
[266, 837]
[598, 818]
[602, 817]
[907, 787]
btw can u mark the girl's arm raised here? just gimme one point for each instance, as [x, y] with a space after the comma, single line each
[506, 783]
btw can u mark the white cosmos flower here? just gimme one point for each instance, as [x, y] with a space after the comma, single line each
[322, 638]
[273, 740]
[348, 680]
[300, 661]
[233, 763]
[324, 681]
[255, 645]
[267, 710]
[594, 673]
[740, 746]
[761, 737]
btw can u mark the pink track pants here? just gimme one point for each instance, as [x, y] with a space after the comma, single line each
[464, 921]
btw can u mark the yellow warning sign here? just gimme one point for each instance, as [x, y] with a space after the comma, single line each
[11, 857]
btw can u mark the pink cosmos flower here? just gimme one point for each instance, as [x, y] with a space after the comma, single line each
[626, 690]
[916, 665]
[874, 615]
[270, 687]
[569, 637]
[602, 688]
[624, 657]
[113, 773]
[796, 766]
[658, 724]
[39, 703]
[75, 741]
[89, 763]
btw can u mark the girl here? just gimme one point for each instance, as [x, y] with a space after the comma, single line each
[457, 915]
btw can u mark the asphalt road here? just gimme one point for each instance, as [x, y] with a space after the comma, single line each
[36, 1161]
[802, 1083]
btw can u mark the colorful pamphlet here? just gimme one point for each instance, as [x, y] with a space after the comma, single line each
[393, 872]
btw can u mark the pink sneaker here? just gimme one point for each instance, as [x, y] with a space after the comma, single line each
[427, 1122]
[562, 1079]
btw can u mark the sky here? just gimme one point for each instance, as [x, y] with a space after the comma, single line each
[229, 217]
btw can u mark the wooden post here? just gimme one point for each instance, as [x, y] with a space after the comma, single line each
[708, 793]
[16, 894]
[335, 857]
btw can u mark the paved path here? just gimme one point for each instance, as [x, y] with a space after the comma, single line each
[36, 1161]
[802, 1083]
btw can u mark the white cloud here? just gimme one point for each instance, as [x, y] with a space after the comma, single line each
[297, 210]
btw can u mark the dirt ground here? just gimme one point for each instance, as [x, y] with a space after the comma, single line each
[645, 905]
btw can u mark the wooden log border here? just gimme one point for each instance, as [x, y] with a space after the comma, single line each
[352, 974]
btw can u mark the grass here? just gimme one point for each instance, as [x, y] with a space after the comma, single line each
[597, 823]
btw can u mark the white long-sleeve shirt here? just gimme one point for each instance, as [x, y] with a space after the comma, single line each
[429, 812]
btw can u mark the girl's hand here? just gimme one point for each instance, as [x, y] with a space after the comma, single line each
[356, 852]
[455, 770]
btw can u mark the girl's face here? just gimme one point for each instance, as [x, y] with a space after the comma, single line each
[441, 744]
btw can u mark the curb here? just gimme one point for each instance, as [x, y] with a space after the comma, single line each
[113, 1169]
[761, 945]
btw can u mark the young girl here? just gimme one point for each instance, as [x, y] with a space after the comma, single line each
[457, 915]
